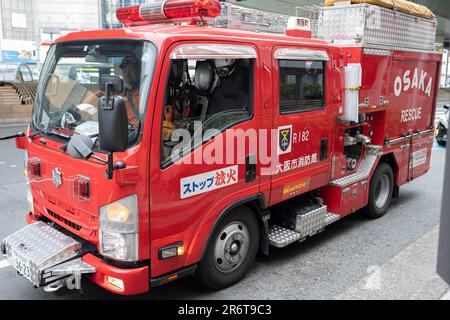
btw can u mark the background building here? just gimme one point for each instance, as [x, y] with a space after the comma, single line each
[108, 11]
[25, 24]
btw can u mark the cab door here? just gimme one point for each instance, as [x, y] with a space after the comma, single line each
[303, 122]
[188, 194]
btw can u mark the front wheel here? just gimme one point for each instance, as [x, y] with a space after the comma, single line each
[381, 190]
[231, 250]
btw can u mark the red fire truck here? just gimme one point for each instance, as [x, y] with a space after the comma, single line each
[143, 156]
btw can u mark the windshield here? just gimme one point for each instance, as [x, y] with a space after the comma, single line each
[69, 93]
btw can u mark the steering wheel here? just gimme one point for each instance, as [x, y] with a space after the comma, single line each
[67, 120]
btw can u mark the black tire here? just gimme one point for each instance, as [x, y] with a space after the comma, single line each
[379, 201]
[441, 143]
[208, 272]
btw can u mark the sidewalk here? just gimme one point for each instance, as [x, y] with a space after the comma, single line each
[446, 295]
[444, 95]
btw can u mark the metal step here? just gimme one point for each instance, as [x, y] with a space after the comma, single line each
[330, 218]
[363, 172]
[281, 237]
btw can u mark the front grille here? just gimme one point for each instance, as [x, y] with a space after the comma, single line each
[64, 220]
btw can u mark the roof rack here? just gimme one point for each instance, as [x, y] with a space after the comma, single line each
[370, 26]
[241, 18]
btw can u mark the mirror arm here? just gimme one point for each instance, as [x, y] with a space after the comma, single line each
[110, 171]
[17, 135]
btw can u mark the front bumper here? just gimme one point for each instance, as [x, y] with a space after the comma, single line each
[135, 281]
[43, 254]
[49, 258]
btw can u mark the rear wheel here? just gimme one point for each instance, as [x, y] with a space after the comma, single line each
[231, 250]
[381, 190]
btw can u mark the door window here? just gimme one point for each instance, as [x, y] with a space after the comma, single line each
[301, 86]
[204, 94]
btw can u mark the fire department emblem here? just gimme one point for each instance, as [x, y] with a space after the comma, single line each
[284, 139]
[57, 177]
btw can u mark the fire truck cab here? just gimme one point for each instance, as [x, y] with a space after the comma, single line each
[169, 149]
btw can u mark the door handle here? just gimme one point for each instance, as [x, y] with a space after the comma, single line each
[250, 168]
[323, 149]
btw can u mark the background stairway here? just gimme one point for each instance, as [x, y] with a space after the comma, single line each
[11, 108]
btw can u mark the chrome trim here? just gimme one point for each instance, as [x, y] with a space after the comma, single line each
[301, 54]
[153, 11]
[213, 51]
[409, 136]
[405, 146]
[377, 52]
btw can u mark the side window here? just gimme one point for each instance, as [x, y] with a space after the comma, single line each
[211, 94]
[301, 86]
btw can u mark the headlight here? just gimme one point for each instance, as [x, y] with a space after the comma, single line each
[119, 229]
[27, 184]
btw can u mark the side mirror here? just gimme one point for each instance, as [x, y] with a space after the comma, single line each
[112, 116]
[446, 107]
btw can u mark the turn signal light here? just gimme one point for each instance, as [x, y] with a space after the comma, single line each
[171, 251]
[34, 168]
[168, 11]
[117, 212]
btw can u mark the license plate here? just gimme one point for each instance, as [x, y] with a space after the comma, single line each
[21, 264]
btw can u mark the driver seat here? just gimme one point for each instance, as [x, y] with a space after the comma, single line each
[203, 82]
[231, 94]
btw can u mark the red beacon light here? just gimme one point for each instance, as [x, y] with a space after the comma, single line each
[299, 27]
[168, 11]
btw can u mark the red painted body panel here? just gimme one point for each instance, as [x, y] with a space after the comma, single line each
[166, 218]
[135, 281]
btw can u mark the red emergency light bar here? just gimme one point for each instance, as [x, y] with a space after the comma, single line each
[168, 11]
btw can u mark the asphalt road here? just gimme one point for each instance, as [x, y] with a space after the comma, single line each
[328, 266]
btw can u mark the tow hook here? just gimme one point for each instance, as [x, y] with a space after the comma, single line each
[72, 282]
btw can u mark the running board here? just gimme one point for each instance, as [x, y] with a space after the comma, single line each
[364, 170]
[314, 222]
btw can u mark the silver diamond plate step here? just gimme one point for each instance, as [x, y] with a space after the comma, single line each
[36, 248]
[363, 172]
[330, 218]
[309, 223]
[281, 237]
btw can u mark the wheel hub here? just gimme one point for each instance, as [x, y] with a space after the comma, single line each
[231, 246]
